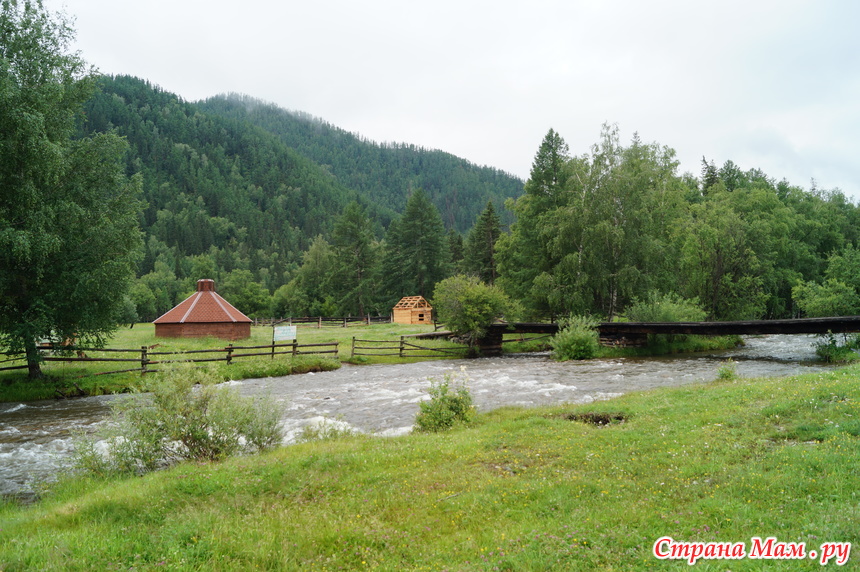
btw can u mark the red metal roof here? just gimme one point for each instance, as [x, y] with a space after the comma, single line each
[204, 306]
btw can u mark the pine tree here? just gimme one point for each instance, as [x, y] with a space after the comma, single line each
[416, 254]
[356, 260]
[456, 248]
[480, 248]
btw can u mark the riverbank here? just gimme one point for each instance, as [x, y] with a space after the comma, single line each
[524, 489]
[80, 379]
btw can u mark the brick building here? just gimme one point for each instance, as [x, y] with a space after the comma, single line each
[202, 314]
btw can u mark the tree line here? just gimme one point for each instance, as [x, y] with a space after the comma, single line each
[598, 232]
[593, 234]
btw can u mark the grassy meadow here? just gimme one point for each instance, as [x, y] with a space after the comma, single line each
[521, 489]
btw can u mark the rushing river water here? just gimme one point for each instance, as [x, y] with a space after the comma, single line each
[35, 437]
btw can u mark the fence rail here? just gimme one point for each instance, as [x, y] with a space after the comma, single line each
[320, 321]
[144, 355]
[399, 349]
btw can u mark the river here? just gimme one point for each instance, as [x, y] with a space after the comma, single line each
[36, 437]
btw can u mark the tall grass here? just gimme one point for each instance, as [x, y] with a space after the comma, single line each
[539, 489]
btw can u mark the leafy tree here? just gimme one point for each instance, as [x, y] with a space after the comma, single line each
[600, 240]
[290, 300]
[833, 298]
[165, 287]
[144, 301]
[719, 266]
[480, 247]
[467, 306]
[845, 267]
[69, 237]
[314, 276]
[240, 289]
[416, 253]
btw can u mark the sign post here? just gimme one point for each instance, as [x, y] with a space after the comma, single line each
[282, 333]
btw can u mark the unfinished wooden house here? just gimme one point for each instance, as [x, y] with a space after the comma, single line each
[412, 310]
[202, 314]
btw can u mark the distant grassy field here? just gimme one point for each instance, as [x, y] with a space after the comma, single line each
[522, 490]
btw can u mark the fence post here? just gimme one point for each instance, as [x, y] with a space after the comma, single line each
[295, 347]
[144, 359]
[229, 354]
[319, 322]
[344, 321]
[402, 346]
[352, 353]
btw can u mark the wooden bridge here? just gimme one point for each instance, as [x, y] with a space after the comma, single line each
[636, 333]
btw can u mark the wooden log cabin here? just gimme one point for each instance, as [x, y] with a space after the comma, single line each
[412, 310]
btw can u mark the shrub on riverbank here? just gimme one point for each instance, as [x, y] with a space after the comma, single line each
[539, 489]
[830, 350]
[577, 339]
[450, 405]
[184, 416]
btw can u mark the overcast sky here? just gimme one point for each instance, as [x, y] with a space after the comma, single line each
[773, 85]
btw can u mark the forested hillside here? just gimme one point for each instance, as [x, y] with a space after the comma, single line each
[380, 172]
[238, 190]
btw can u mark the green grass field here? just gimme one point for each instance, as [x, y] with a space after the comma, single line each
[537, 489]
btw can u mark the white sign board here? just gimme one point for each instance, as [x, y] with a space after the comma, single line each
[284, 333]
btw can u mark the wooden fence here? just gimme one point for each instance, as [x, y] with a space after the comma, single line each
[320, 321]
[400, 349]
[144, 355]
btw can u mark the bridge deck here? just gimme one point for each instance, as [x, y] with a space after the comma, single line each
[839, 324]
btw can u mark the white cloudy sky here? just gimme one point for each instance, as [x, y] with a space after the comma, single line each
[769, 84]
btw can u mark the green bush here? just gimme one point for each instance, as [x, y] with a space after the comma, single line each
[467, 306]
[830, 350]
[185, 416]
[728, 370]
[577, 339]
[669, 307]
[450, 404]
